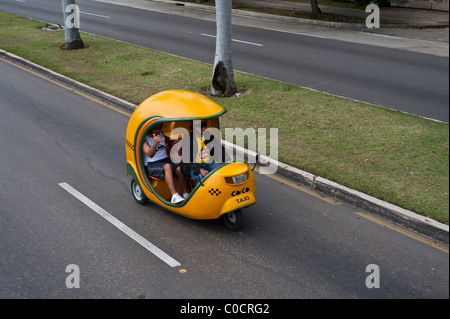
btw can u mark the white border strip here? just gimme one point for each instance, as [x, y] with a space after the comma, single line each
[95, 15]
[121, 226]
[240, 41]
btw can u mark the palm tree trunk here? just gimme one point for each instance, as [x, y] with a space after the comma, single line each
[223, 76]
[72, 25]
[315, 9]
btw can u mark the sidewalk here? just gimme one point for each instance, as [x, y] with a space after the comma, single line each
[409, 17]
[403, 17]
[406, 23]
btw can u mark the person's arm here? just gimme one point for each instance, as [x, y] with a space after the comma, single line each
[150, 151]
[201, 171]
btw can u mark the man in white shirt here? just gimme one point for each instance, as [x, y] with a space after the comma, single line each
[158, 164]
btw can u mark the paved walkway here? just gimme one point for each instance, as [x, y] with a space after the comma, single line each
[411, 17]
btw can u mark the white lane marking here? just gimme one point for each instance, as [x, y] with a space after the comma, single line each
[121, 226]
[381, 35]
[95, 15]
[21, 1]
[297, 33]
[240, 41]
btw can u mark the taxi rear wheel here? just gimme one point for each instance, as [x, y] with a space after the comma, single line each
[138, 193]
[233, 220]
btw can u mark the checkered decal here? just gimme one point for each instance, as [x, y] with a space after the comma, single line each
[215, 191]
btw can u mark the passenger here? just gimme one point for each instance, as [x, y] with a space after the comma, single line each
[158, 164]
[199, 161]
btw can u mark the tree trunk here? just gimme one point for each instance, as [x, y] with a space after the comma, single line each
[223, 76]
[72, 25]
[315, 9]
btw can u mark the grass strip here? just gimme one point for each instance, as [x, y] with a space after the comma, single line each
[399, 158]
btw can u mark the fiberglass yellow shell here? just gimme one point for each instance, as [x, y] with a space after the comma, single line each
[217, 194]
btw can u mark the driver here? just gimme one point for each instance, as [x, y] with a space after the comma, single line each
[200, 161]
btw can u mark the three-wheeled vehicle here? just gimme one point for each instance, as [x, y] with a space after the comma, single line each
[222, 193]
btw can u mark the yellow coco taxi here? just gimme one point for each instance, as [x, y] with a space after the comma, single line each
[222, 193]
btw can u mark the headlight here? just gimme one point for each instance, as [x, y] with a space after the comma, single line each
[237, 179]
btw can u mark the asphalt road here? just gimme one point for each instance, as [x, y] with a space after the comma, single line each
[407, 81]
[294, 244]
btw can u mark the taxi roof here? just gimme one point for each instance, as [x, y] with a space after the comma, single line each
[178, 104]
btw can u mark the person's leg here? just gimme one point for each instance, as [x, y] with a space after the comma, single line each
[181, 180]
[206, 166]
[210, 166]
[196, 178]
[168, 176]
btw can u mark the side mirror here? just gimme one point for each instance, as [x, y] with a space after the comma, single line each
[256, 161]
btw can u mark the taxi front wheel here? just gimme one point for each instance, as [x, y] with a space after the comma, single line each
[138, 193]
[233, 220]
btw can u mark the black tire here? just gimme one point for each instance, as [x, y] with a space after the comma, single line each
[138, 193]
[233, 220]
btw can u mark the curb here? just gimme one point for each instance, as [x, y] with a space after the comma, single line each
[108, 98]
[423, 225]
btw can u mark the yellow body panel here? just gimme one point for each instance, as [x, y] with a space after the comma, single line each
[178, 104]
[212, 199]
